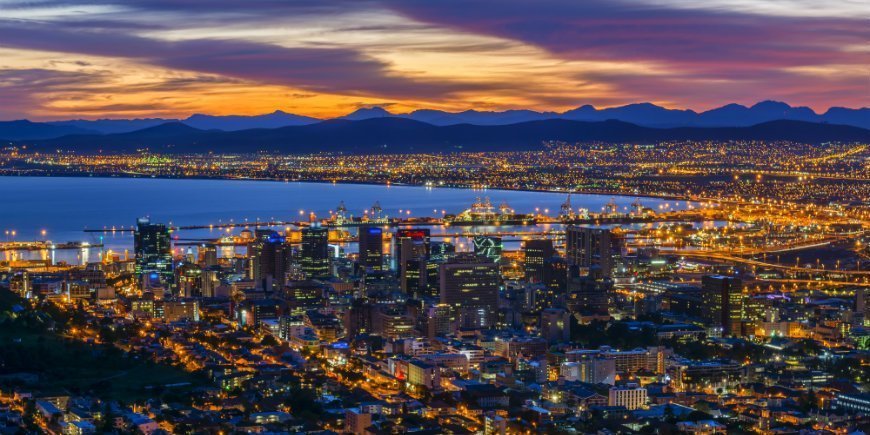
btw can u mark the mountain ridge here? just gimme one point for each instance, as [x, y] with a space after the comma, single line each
[400, 135]
[643, 114]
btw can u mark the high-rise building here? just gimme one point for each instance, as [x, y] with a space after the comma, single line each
[470, 284]
[723, 299]
[588, 247]
[176, 310]
[420, 236]
[433, 273]
[589, 295]
[859, 315]
[210, 280]
[631, 396]
[488, 246]
[269, 260]
[536, 252]
[314, 256]
[152, 245]
[555, 325]
[556, 274]
[356, 421]
[188, 280]
[438, 321]
[593, 369]
[412, 255]
[358, 318]
[208, 255]
[441, 251]
[371, 249]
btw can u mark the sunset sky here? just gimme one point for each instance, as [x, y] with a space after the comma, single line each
[172, 58]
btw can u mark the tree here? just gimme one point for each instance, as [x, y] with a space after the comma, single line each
[269, 340]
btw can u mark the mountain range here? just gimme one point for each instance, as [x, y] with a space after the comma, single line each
[642, 114]
[398, 135]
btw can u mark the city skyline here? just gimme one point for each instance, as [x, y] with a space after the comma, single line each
[481, 217]
[90, 60]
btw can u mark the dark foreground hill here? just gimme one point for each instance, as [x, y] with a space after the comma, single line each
[396, 135]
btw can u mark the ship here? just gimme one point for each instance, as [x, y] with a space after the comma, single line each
[483, 212]
[372, 216]
[567, 213]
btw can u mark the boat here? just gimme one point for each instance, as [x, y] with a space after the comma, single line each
[483, 212]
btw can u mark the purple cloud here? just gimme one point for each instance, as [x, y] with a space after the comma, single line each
[735, 49]
[322, 69]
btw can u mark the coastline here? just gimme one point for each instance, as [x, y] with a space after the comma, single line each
[362, 183]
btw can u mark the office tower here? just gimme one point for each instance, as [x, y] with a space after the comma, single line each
[393, 323]
[371, 249]
[358, 318]
[269, 260]
[593, 369]
[188, 280]
[589, 295]
[152, 246]
[420, 236]
[441, 251]
[210, 280]
[556, 274]
[314, 257]
[536, 251]
[488, 246]
[438, 321]
[631, 396]
[860, 313]
[555, 325]
[588, 247]
[412, 254]
[254, 312]
[356, 422]
[433, 272]
[723, 299]
[180, 310]
[208, 255]
[470, 284]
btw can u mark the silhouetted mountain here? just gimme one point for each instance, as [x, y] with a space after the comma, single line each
[437, 117]
[643, 114]
[111, 126]
[845, 116]
[736, 115]
[397, 135]
[27, 130]
[367, 113]
[646, 114]
[275, 119]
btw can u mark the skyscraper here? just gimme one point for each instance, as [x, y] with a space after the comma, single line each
[536, 252]
[314, 256]
[556, 274]
[470, 284]
[417, 235]
[488, 246]
[371, 249]
[441, 251]
[587, 247]
[210, 280]
[412, 265]
[723, 299]
[208, 255]
[269, 260]
[152, 245]
[555, 324]
[188, 280]
[589, 295]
